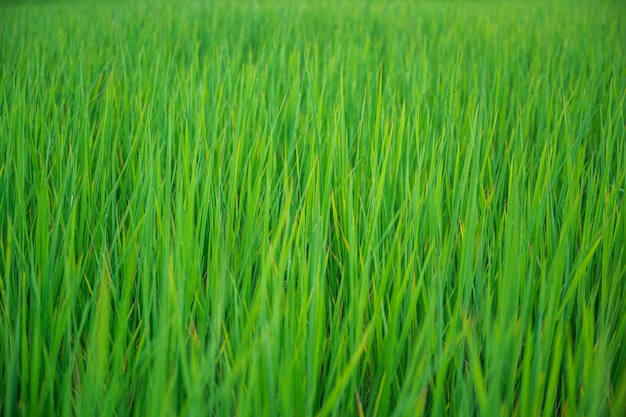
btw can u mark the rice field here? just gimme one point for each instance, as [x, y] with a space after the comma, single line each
[312, 208]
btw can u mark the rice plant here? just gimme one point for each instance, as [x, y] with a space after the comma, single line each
[312, 208]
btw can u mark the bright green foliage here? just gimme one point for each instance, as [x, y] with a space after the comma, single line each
[312, 208]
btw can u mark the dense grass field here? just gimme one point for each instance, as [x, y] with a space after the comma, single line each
[323, 208]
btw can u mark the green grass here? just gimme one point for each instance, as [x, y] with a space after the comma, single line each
[312, 208]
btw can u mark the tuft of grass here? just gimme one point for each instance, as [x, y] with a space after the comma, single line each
[312, 208]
